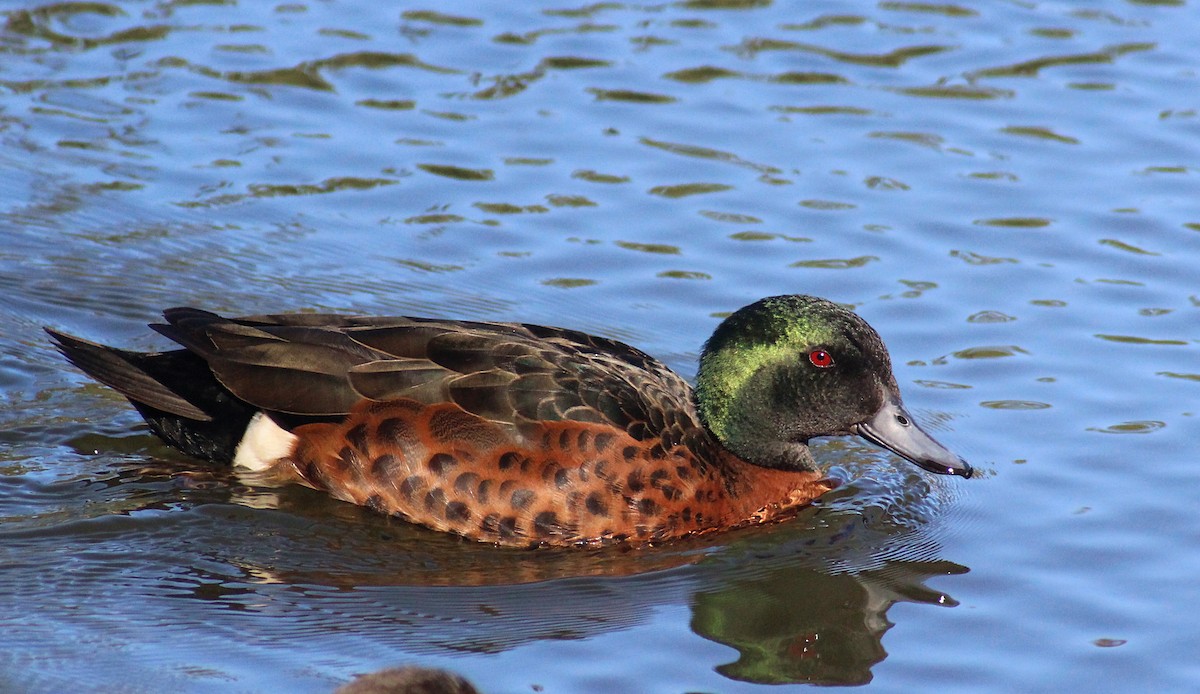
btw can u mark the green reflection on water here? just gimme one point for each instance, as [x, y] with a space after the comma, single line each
[827, 205]
[972, 258]
[531, 37]
[1134, 340]
[435, 219]
[825, 21]
[917, 138]
[706, 153]
[569, 62]
[306, 74]
[1040, 133]
[990, 317]
[751, 47]
[685, 189]
[33, 23]
[568, 282]
[388, 104]
[631, 96]
[765, 236]
[439, 18]
[1175, 374]
[944, 385]
[570, 201]
[730, 217]
[836, 263]
[947, 10]
[1015, 222]
[990, 352]
[457, 172]
[428, 267]
[700, 75]
[685, 275]
[597, 177]
[824, 110]
[1127, 247]
[329, 185]
[958, 92]
[808, 78]
[660, 248]
[1136, 427]
[1015, 405]
[1031, 68]
[725, 4]
[509, 208]
[796, 625]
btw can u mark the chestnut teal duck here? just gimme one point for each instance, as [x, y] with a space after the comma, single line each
[520, 434]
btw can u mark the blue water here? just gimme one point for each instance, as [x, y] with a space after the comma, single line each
[1009, 193]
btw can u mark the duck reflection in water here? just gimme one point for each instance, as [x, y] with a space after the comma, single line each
[832, 636]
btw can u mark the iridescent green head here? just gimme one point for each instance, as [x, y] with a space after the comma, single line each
[786, 369]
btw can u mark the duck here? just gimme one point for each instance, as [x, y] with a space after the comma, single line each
[524, 435]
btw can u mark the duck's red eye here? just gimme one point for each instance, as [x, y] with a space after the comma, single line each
[820, 358]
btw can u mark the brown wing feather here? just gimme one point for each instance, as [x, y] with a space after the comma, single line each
[508, 373]
[298, 370]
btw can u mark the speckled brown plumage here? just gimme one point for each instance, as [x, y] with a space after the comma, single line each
[521, 434]
[563, 482]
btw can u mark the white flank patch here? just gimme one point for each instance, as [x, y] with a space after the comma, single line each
[263, 443]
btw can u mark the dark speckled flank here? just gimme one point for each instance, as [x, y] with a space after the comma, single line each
[583, 484]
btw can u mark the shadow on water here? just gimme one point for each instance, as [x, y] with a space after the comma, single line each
[158, 541]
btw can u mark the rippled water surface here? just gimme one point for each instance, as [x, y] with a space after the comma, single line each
[1009, 192]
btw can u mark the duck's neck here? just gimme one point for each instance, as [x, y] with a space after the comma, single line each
[776, 455]
[758, 494]
[745, 417]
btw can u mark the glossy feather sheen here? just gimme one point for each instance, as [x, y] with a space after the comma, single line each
[507, 433]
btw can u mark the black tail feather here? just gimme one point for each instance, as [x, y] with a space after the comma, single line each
[175, 392]
[124, 372]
